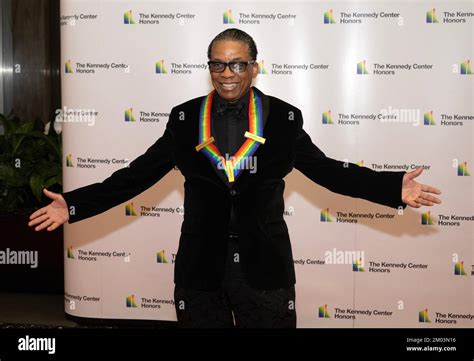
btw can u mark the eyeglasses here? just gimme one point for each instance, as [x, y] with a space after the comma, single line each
[234, 66]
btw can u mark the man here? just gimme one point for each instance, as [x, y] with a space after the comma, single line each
[233, 216]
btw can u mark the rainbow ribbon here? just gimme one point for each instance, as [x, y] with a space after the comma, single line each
[232, 167]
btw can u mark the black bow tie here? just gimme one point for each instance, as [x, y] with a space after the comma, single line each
[226, 107]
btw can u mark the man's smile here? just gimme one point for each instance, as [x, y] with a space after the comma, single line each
[229, 86]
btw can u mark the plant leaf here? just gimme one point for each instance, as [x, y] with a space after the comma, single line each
[37, 185]
[50, 182]
[25, 128]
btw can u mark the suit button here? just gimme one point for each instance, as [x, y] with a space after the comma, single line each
[233, 192]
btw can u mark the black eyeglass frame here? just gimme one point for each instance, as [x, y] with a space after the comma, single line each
[231, 65]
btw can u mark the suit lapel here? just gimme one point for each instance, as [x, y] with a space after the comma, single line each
[265, 111]
[219, 172]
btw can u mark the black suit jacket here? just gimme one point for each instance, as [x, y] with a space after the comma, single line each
[265, 250]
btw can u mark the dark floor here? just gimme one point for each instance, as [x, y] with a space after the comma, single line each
[33, 310]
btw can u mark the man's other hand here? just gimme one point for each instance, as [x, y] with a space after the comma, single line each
[53, 215]
[416, 194]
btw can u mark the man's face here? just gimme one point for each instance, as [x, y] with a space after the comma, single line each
[232, 86]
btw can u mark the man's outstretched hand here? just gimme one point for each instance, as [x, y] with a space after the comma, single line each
[51, 216]
[415, 194]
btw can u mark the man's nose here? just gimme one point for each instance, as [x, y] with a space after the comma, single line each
[227, 73]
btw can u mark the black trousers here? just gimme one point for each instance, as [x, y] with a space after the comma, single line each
[236, 304]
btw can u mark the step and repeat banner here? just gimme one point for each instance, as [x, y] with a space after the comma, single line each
[388, 85]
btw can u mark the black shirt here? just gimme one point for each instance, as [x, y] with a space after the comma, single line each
[229, 122]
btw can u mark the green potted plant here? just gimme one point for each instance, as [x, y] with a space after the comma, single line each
[30, 160]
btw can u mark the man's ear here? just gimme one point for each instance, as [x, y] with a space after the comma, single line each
[254, 70]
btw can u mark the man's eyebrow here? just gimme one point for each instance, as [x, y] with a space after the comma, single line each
[234, 59]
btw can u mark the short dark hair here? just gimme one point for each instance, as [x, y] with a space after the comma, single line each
[235, 35]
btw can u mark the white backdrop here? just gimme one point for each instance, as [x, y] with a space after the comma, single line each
[117, 101]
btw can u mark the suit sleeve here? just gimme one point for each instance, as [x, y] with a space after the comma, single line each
[346, 178]
[124, 183]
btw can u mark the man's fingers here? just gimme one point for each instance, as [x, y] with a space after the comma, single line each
[413, 204]
[415, 173]
[38, 213]
[38, 220]
[430, 189]
[53, 226]
[51, 195]
[43, 225]
[430, 198]
[424, 202]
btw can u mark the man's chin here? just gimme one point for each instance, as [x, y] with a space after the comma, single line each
[228, 95]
